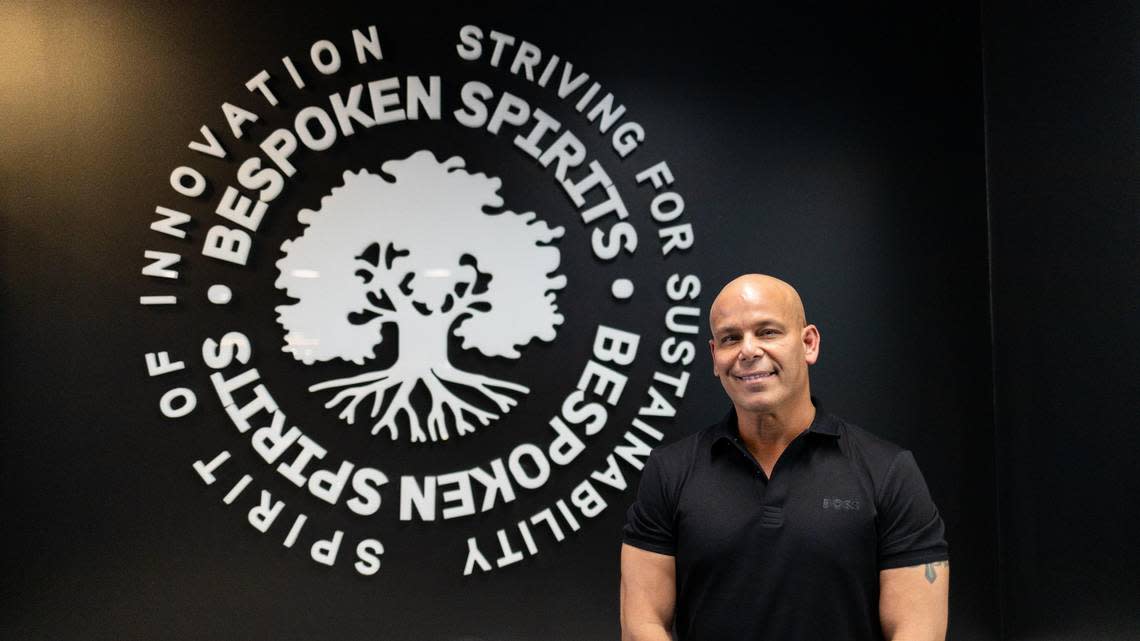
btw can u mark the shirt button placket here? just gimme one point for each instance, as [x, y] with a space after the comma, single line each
[761, 483]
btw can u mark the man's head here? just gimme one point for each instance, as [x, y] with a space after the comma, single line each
[762, 345]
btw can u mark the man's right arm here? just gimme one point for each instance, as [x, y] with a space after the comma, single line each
[648, 594]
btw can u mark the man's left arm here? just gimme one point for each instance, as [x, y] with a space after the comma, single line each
[914, 602]
[914, 571]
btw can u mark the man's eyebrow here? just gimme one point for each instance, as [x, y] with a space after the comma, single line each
[764, 322]
[725, 328]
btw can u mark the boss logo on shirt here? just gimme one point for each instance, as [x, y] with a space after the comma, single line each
[840, 504]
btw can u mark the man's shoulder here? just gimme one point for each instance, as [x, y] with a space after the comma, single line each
[683, 452]
[868, 447]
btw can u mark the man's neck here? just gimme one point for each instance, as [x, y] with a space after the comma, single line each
[771, 431]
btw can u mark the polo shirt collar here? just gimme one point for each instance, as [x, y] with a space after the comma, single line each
[823, 423]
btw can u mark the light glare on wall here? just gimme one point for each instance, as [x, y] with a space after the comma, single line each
[23, 53]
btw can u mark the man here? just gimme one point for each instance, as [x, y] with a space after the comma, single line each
[781, 521]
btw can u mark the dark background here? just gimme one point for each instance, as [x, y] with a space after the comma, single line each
[951, 189]
[1062, 146]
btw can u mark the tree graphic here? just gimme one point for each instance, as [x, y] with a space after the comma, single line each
[430, 252]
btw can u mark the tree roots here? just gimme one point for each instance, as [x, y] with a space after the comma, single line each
[445, 404]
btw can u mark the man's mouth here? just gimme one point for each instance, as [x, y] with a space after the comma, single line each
[755, 376]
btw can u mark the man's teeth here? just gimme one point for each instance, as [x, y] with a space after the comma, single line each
[757, 376]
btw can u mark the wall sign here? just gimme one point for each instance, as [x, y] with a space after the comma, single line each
[422, 300]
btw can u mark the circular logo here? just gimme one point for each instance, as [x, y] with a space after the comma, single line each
[432, 304]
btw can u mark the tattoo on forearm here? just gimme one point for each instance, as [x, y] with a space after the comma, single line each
[931, 575]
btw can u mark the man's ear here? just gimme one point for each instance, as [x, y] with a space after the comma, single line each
[810, 338]
[712, 354]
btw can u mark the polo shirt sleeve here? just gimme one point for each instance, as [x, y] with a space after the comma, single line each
[910, 530]
[649, 522]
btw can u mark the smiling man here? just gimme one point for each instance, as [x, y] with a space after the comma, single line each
[780, 521]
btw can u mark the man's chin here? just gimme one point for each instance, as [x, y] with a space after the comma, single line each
[754, 404]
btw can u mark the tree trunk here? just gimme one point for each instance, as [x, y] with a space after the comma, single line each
[422, 342]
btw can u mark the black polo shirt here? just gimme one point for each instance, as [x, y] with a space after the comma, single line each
[796, 556]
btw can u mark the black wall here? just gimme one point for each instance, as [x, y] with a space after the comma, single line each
[1062, 129]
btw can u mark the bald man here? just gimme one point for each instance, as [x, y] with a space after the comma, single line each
[781, 521]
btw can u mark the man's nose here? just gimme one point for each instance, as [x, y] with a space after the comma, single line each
[750, 348]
